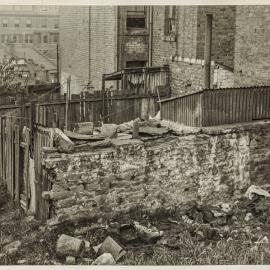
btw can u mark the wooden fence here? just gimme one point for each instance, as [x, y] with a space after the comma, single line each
[218, 106]
[24, 132]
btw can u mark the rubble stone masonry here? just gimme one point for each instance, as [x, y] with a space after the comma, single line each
[212, 165]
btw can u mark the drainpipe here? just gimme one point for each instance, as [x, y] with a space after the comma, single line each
[150, 46]
[89, 45]
[207, 51]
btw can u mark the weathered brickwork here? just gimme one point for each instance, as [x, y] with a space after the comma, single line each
[223, 33]
[210, 166]
[74, 40]
[190, 34]
[185, 42]
[187, 78]
[103, 44]
[252, 58]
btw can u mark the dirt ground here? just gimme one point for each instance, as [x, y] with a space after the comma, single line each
[190, 237]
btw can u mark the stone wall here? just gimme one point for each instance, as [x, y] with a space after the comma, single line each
[211, 165]
[252, 58]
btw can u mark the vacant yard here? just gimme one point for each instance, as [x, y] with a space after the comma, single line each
[236, 240]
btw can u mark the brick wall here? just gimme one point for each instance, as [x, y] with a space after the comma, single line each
[252, 58]
[190, 34]
[74, 52]
[103, 43]
[210, 166]
[185, 45]
[223, 33]
[188, 77]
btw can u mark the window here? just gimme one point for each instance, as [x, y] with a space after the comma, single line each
[170, 20]
[55, 38]
[28, 38]
[45, 39]
[136, 19]
[5, 23]
[28, 23]
[44, 23]
[131, 64]
[16, 23]
[56, 24]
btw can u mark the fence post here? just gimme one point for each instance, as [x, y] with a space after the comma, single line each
[32, 126]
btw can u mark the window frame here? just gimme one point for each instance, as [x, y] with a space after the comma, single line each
[170, 20]
[136, 14]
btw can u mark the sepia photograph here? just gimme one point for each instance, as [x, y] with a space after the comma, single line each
[134, 134]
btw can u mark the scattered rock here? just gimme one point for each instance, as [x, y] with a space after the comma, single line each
[149, 235]
[86, 261]
[109, 130]
[264, 240]
[13, 247]
[82, 230]
[256, 190]
[2, 255]
[22, 262]
[87, 246]
[12, 251]
[187, 220]
[104, 259]
[96, 248]
[70, 260]
[84, 128]
[110, 246]
[69, 246]
[248, 217]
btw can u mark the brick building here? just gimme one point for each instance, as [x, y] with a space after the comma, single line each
[252, 53]
[29, 24]
[107, 39]
[104, 39]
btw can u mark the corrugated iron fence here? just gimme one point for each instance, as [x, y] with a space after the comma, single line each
[218, 106]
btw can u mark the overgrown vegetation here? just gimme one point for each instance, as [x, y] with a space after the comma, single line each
[182, 244]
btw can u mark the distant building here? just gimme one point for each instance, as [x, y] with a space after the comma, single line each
[30, 25]
[102, 39]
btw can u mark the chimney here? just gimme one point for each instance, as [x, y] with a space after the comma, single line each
[207, 51]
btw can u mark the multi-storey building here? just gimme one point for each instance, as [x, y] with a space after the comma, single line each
[102, 39]
[30, 25]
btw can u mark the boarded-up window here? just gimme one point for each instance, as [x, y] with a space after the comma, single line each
[136, 18]
[170, 20]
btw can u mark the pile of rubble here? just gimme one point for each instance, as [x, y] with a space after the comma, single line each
[85, 135]
[76, 249]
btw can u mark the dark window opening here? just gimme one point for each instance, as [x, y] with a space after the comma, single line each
[16, 25]
[135, 22]
[132, 64]
[170, 20]
[136, 17]
[5, 25]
